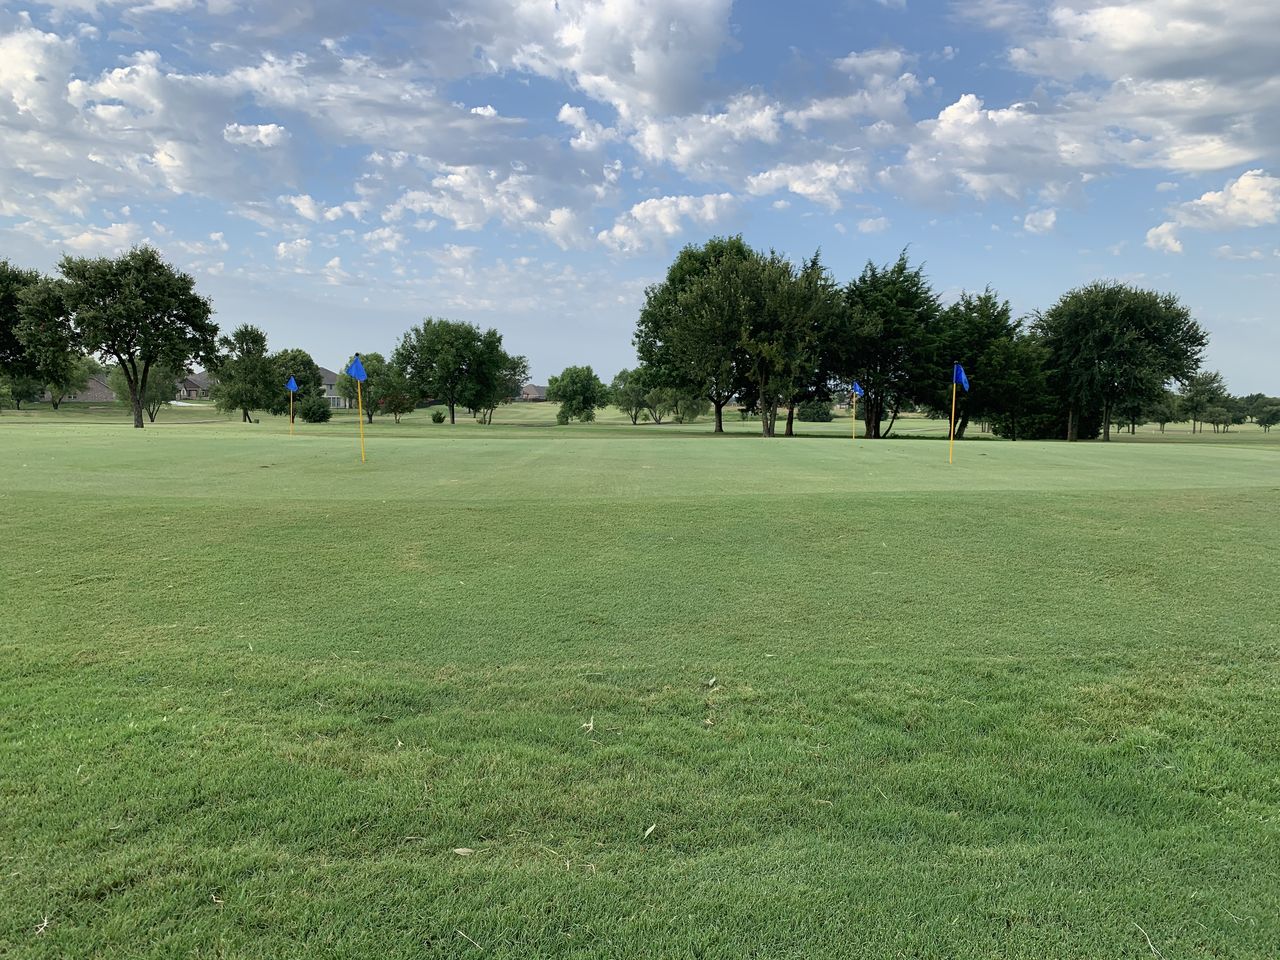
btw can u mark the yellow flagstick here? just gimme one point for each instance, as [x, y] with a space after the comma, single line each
[952, 449]
[291, 413]
[853, 412]
[360, 413]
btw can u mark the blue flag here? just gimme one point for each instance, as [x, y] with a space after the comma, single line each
[957, 376]
[355, 369]
[857, 389]
[292, 385]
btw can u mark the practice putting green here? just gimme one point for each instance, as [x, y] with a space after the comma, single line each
[600, 692]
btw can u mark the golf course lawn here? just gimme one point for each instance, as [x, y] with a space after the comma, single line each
[615, 691]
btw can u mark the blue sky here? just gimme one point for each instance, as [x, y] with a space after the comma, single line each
[333, 172]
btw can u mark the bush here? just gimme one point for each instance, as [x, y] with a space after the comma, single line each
[437, 417]
[315, 410]
[815, 411]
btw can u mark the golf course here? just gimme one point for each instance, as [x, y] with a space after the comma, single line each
[603, 690]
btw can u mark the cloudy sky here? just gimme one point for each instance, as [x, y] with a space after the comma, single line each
[334, 171]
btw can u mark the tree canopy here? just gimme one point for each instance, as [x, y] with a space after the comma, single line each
[579, 392]
[140, 312]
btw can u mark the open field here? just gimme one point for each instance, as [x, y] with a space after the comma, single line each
[255, 696]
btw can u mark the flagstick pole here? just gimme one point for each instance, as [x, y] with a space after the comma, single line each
[853, 412]
[952, 448]
[291, 413]
[360, 414]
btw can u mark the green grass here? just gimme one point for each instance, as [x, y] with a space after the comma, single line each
[253, 695]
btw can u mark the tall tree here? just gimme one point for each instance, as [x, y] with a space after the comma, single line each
[1112, 343]
[579, 392]
[763, 337]
[298, 364]
[890, 317]
[1200, 393]
[627, 392]
[394, 394]
[437, 358]
[978, 331]
[246, 375]
[494, 376]
[51, 354]
[1267, 413]
[13, 281]
[689, 330]
[139, 311]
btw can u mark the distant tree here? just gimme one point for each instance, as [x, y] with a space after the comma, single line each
[1165, 409]
[161, 390]
[139, 311]
[1252, 402]
[1113, 344]
[51, 353]
[298, 364]
[1201, 392]
[1015, 397]
[22, 388]
[394, 395]
[579, 392]
[687, 406]
[375, 368]
[73, 379]
[890, 317]
[689, 332]
[494, 377]
[627, 392]
[13, 281]
[437, 357]
[1267, 414]
[247, 378]
[976, 331]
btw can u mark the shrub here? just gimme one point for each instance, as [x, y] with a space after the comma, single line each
[315, 410]
[815, 411]
[437, 416]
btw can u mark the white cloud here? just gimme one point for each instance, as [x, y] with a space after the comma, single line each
[821, 181]
[1164, 238]
[487, 110]
[710, 145]
[383, 240]
[663, 218]
[104, 240]
[873, 225]
[305, 206]
[1250, 200]
[293, 251]
[591, 135]
[1040, 221]
[255, 135]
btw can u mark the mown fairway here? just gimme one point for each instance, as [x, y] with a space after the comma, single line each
[255, 696]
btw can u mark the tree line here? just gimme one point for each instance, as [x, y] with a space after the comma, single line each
[144, 318]
[728, 324]
[731, 323]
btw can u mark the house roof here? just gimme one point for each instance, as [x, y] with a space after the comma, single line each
[328, 376]
[200, 378]
[533, 390]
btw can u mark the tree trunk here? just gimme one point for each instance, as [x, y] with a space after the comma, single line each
[244, 416]
[451, 417]
[791, 420]
[56, 402]
[719, 417]
[1073, 428]
[136, 402]
[893, 418]
[368, 415]
[961, 422]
